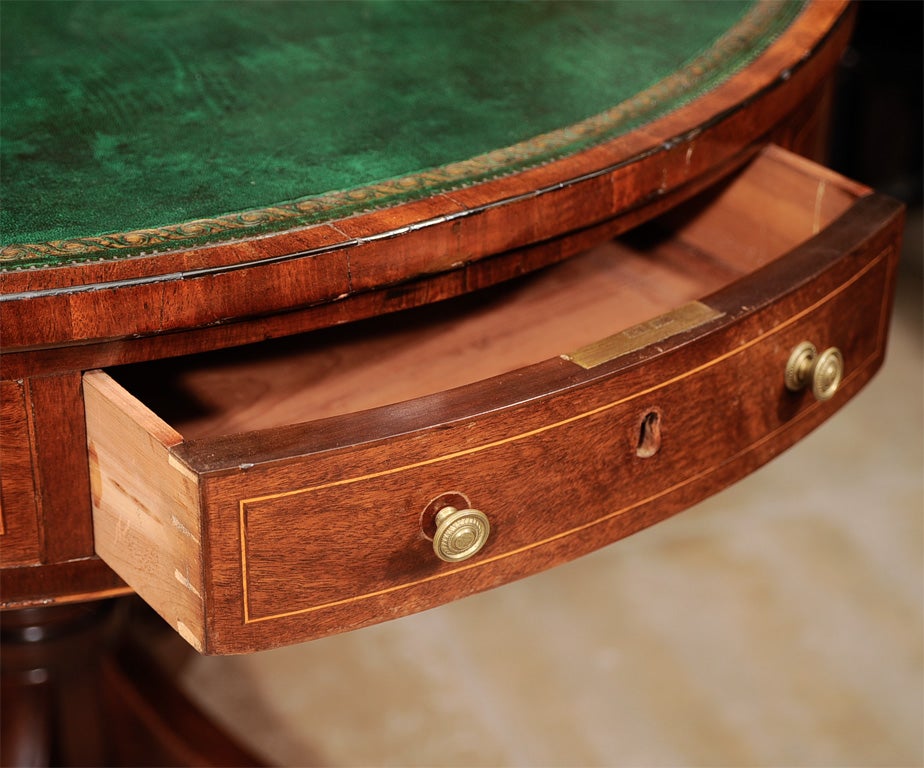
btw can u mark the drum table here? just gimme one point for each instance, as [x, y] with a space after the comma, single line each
[316, 315]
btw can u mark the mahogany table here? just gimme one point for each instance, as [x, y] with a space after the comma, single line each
[316, 315]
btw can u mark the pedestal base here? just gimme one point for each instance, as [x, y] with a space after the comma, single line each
[82, 686]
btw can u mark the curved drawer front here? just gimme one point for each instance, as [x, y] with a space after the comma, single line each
[250, 542]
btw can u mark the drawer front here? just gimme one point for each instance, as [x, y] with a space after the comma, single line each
[305, 548]
[273, 536]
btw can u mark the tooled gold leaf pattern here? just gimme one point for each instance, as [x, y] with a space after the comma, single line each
[680, 85]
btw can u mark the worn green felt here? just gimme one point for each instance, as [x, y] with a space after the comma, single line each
[122, 116]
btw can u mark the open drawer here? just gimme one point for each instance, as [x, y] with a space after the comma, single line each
[301, 487]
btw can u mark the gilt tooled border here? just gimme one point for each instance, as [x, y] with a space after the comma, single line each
[765, 19]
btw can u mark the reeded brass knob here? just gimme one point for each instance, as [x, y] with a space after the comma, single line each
[460, 533]
[824, 372]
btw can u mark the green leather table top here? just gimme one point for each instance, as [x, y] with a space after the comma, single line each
[132, 127]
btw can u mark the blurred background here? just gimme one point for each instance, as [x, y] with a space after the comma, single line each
[779, 623]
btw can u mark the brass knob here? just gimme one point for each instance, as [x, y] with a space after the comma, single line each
[824, 372]
[460, 533]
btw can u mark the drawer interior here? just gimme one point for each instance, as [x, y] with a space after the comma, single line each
[772, 205]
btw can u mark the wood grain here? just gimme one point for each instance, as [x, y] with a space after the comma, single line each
[425, 288]
[337, 542]
[422, 352]
[73, 581]
[694, 251]
[780, 201]
[57, 439]
[319, 527]
[186, 302]
[19, 531]
[253, 278]
[145, 506]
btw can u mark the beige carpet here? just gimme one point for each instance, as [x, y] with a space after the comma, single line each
[778, 624]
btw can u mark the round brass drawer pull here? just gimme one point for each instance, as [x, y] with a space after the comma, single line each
[460, 533]
[823, 371]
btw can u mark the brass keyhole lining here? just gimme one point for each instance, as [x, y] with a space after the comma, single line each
[649, 434]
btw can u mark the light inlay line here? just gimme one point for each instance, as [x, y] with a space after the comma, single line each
[248, 619]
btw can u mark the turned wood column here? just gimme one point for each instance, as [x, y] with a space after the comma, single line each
[52, 704]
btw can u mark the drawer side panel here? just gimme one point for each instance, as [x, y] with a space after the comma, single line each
[145, 505]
